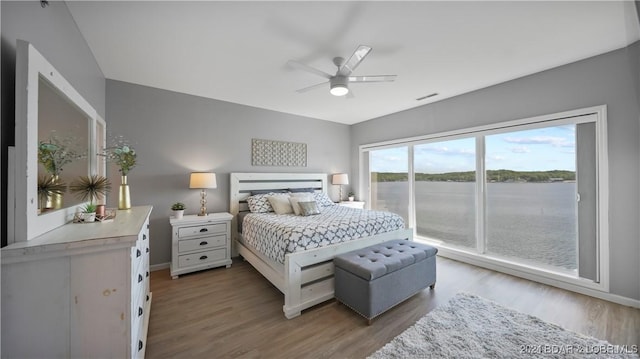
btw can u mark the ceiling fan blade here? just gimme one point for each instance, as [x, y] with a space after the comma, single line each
[303, 67]
[347, 68]
[373, 78]
[312, 87]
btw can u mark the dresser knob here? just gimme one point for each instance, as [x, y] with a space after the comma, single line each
[144, 236]
[140, 311]
[203, 230]
[203, 258]
[147, 273]
[140, 345]
[138, 253]
[140, 278]
[147, 249]
[204, 243]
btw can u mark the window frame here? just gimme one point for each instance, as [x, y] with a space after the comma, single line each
[596, 114]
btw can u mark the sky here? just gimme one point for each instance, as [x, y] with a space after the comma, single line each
[549, 148]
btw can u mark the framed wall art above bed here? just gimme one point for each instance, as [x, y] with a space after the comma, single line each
[300, 264]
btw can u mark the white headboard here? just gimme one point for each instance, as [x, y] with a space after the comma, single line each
[241, 185]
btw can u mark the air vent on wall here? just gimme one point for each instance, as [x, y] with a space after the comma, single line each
[427, 96]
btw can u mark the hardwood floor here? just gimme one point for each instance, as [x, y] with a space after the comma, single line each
[236, 313]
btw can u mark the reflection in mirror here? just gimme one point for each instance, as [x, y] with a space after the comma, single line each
[63, 143]
[101, 144]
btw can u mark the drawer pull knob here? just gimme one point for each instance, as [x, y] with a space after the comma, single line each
[140, 311]
[147, 297]
[203, 230]
[140, 278]
[138, 253]
[140, 345]
[147, 249]
[203, 257]
[204, 243]
[147, 273]
[144, 236]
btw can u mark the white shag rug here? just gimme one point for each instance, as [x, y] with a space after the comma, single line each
[472, 327]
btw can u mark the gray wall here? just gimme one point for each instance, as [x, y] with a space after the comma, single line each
[54, 34]
[175, 134]
[610, 79]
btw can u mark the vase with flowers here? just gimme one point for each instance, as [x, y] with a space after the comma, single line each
[125, 157]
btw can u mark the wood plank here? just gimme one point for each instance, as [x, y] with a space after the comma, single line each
[237, 313]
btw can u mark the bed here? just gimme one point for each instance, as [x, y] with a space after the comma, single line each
[302, 269]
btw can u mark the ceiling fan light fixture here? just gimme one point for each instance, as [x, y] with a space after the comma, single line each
[339, 90]
[339, 86]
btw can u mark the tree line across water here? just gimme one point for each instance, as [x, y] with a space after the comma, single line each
[470, 176]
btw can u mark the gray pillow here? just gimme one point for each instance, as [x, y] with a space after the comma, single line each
[309, 208]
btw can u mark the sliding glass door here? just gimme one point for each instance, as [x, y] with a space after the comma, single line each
[445, 178]
[531, 213]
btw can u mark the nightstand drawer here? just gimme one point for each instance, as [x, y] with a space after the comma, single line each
[187, 245]
[204, 257]
[204, 229]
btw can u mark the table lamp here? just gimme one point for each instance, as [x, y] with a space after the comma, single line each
[203, 181]
[340, 179]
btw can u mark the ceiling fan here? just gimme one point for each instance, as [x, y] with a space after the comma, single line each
[339, 83]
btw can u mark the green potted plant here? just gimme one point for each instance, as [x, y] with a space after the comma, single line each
[351, 196]
[91, 188]
[178, 210]
[89, 213]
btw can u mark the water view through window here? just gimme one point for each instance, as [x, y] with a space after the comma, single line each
[530, 210]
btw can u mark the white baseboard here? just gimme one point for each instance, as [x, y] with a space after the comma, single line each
[495, 266]
[155, 267]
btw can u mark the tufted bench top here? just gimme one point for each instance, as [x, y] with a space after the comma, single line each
[375, 261]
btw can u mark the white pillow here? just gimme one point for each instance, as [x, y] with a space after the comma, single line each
[294, 200]
[280, 203]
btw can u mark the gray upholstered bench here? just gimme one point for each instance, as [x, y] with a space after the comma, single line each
[372, 280]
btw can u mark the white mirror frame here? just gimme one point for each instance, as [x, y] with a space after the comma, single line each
[30, 65]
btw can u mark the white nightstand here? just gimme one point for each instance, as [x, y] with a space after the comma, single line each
[200, 242]
[352, 204]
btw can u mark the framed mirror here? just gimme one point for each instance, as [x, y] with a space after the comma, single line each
[56, 131]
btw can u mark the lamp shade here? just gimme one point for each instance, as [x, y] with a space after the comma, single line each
[202, 180]
[340, 178]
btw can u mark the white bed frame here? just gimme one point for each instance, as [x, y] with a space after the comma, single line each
[306, 278]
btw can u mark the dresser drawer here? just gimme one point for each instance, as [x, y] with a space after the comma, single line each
[187, 260]
[188, 245]
[201, 230]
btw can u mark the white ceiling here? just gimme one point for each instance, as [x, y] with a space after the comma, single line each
[237, 51]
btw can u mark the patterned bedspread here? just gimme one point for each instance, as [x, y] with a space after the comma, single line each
[276, 235]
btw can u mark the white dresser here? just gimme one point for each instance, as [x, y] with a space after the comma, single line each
[200, 242]
[79, 291]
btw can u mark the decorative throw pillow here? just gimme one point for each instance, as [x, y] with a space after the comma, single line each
[294, 200]
[259, 203]
[309, 208]
[322, 199]
[280, 203]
